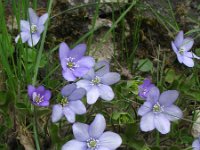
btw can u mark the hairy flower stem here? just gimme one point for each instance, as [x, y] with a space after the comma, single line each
[39, 56]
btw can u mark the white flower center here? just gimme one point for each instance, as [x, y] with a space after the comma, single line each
[92, 144]
[157, 108]
[33, 28]
[37, 98]
[181, 50]
[71, 64]
[64, 101]
[96, 81]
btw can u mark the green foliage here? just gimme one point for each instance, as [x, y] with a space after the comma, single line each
[145, 65]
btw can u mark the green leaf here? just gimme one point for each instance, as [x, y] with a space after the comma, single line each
[145, 65]
[21, 106]
[170, 75]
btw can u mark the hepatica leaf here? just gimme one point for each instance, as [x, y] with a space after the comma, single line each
[145, 65]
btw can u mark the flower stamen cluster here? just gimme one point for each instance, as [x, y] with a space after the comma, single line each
[92, 143]
[64, 101]
[157, 108]
[96, 81]
[37, 98]
[71, 64]
[33, 28]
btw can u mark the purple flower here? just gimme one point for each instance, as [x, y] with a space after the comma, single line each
[31, 29]
[70, 104]
[93, 137]
[73, 62]
[159, 110]
[181, 47]
[39, 96]
[97, 84]
[196, 144]
[145, 88]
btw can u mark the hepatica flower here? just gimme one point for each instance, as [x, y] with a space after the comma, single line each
[97, 82]
[93, 137]
[73, 62]
[39, 96]
[181, 47]
[159, 110]
[70, 104]
[196, 144]
[145, 88]
[31, 29]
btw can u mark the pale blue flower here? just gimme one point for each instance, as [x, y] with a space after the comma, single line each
[32, 28]
[93, 137]
[181, 47]
[70, 104]
[74, 63]
[159, 110]
[39, 96]
[97, 82]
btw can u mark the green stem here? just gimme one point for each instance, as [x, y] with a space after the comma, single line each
[157, 138]
[39, 56]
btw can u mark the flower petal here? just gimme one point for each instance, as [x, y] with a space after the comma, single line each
[74, 145]
[69, 114]
[63, 51]
[174, 47]
[33, 16]
[179, 56]
[24, 36]
[77, 107]
[110, 78]
[68, 75]
[31, 89]
[33, 40]
[196, 144]
[24, 26]
[147, 122]
[173, 113]
[179, 39]
[106, 92]
[145, 108]
[40, 29]
[102, 148]
[110, 140]
[44, 104]
[43, 19]
[101, 68]
[47, 95]
[68, 89]
[80, 71]
[77, 94]
[40, 89]
[90, 75]
[167, 98]
[162, 124]
[188, 61]
[80, 131]
[92, 95]
[86, 61]
[187, 44]
[191, 55]
[78, 51]
[153, 95]
[84, 84]
[57, 113]
[97, 127]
